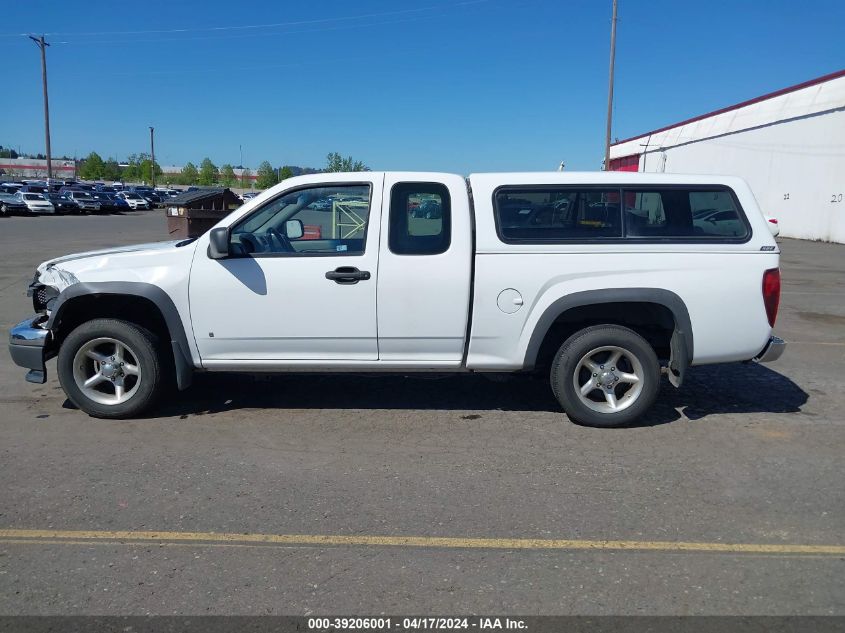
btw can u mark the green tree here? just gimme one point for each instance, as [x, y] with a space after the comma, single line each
[227, 175]
[208, 172]
[92, 167]
[111, 170]
[246, 178]
[132, 171]
[336, 162]
[189, 174]
[285, 173]
[146, 167]
[266, 176]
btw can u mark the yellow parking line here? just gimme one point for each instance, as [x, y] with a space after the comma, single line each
[216, 538]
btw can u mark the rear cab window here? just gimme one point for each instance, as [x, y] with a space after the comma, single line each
[420, 218]
[683, 213]
[551, 214]
[557, 213]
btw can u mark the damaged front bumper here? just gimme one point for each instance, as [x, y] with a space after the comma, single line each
[29, 347]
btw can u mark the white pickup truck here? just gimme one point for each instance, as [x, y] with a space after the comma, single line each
[603, 280]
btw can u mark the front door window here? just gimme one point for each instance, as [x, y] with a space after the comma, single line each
[324, 220]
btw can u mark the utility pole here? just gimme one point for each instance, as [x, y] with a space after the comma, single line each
[153, 154]
[39, 41]
[610, 89]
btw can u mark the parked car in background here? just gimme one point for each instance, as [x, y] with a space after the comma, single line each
[249, 195]
[429, 209]
[10, 204]
[35, 188]
[166, 194]
[35, 202]
[119, 203]
[134, 200]
[84, 199]
[63, 203]
[148, 194]
[107, 204]
[10, 188]
[157, 198]
[104, 188]
[721, 222]
[323, 204]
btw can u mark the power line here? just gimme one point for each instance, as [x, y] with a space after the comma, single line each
[250, 35]
[261, 26]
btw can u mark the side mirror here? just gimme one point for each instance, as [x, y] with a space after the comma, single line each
[218, 243]
[294, 229]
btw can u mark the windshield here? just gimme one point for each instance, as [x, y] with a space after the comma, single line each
[133, 196]
[82, 194]
[33, 196]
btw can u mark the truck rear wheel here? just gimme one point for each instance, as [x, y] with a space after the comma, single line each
[110, 368]
[605, 376]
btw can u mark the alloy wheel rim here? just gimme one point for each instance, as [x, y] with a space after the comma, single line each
[107, 371]
[608, 379]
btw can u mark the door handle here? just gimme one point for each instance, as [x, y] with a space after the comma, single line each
[347, 275]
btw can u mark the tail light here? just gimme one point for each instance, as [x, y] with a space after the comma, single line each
[771, 293]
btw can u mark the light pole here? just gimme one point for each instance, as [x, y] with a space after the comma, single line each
[153, 155]
[610, 89]
[39, 41]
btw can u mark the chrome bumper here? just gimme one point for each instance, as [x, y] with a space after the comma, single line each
[773, 350]
[28, 347]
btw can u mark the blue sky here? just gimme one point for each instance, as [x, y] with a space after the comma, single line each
[463, 86]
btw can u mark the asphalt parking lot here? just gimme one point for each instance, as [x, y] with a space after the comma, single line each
[452, 495]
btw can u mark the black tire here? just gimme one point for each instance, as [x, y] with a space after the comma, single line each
[576, 347]
[145, 347]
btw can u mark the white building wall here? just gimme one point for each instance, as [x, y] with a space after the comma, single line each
[793, 157]
[796, 171]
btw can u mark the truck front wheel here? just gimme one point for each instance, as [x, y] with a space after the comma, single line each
[605, 375]
[110, 368]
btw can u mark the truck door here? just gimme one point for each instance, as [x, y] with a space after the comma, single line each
[300, 282]
[425, 268]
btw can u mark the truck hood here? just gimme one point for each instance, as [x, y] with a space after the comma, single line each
[119, 263]
[134, 248]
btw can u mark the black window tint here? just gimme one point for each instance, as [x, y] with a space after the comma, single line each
[683, 213]
[551, 214]
[420, 219]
